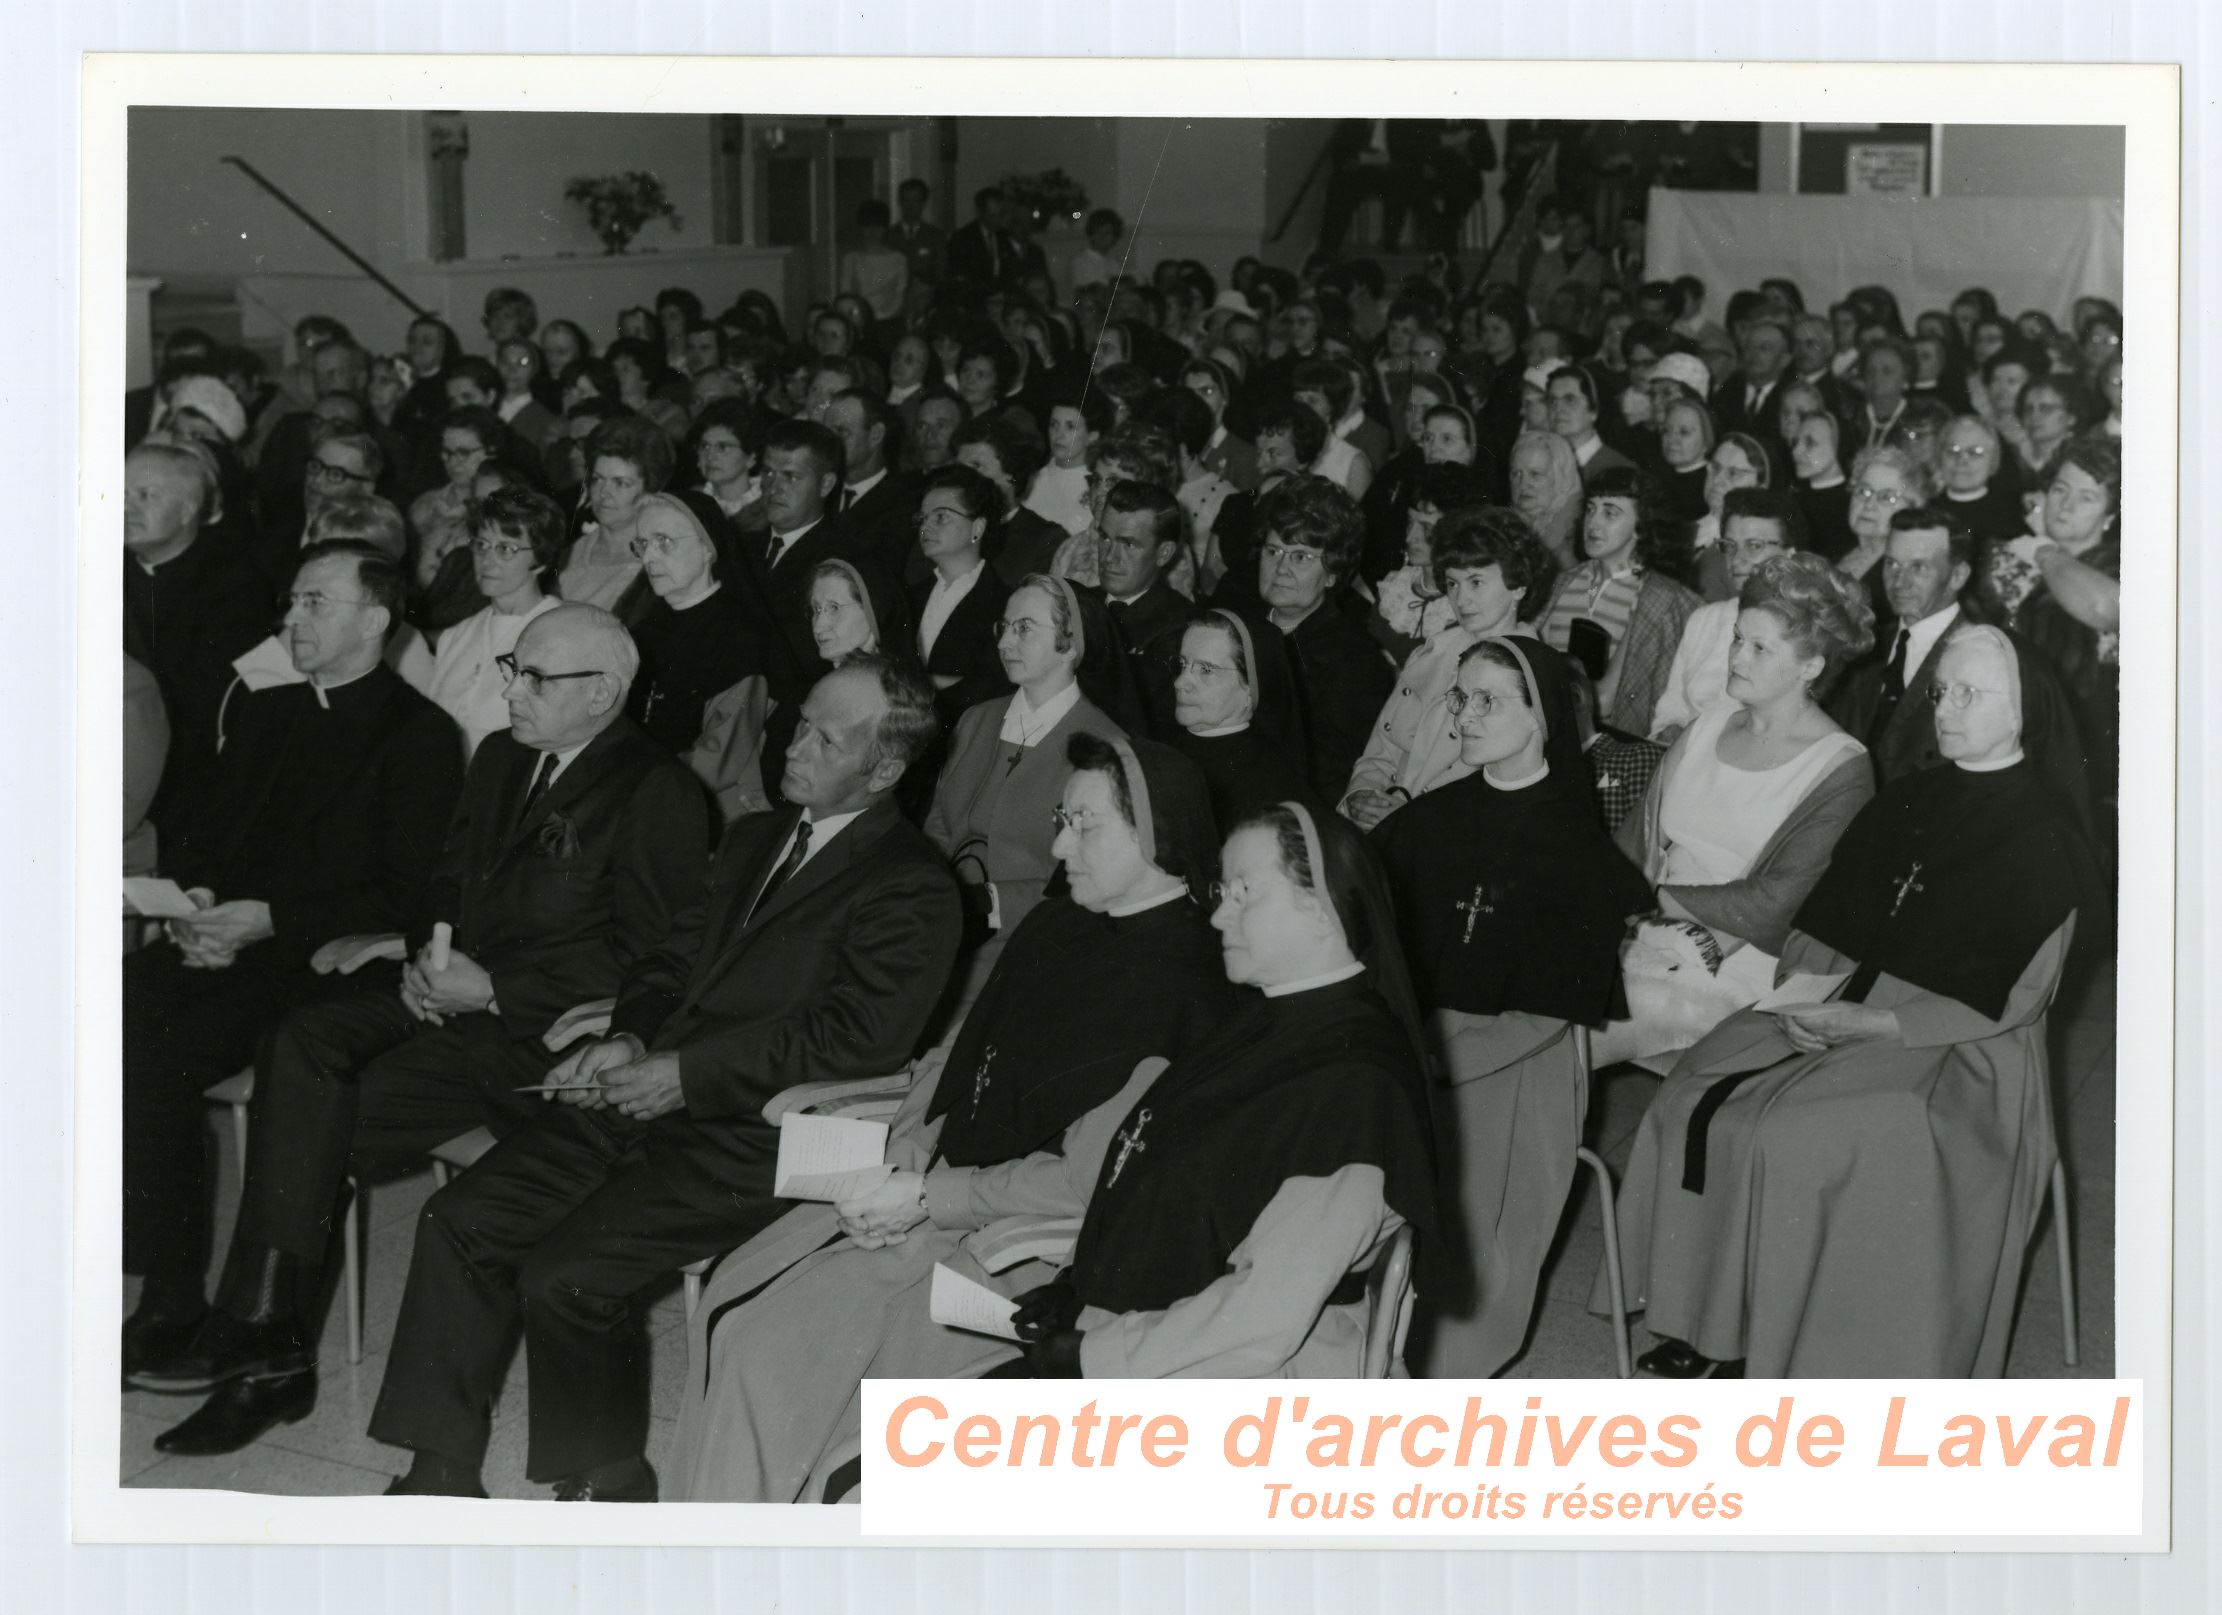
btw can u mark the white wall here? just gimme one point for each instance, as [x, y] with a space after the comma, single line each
[2002, 160]
[513, 203]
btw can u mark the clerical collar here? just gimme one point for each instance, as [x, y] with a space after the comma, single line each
[2007, 761]
[1827, 483]
[1221, 729]
[1523, 782]
[1024, 724]
[1284, 988]
[1143, 906]
[322, 691]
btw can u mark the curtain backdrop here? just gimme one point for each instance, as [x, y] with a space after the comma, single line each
[2033, 252]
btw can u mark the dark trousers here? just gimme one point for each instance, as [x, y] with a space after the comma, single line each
[361, 1079]
[184, 1029]
[1351, 185]
[560, 1228]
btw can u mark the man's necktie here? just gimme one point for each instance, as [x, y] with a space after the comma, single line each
[542, 778]
[771, 549]
[848, 499]
[787, 866]
[1894, 687]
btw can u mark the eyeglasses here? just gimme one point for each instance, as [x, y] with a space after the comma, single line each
[501, 549]
[1021, 628]
[1865, 495]
[661, 543]
[537, 682]
[1458, 700]
[325, 471]
[827, 610]
[1292, 556]
[1959, 697]
[1079, 823]
[938, 514]
[1967, 451]
[1202, 670]
[450, 456]
[317, 605]
[1236, 892]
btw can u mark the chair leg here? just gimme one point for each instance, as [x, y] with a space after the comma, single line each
[2064, 1244]
[351, 1271]
[239, 1137]
[1591, 1159]
[691, 1283]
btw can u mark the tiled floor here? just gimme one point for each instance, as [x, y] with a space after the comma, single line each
[329, 1454]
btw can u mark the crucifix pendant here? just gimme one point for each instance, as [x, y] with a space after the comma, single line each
[1129, 1142]
[1474, 908]
[980, 1079]
[1911, 883]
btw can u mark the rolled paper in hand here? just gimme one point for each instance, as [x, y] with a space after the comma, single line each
[443, 937]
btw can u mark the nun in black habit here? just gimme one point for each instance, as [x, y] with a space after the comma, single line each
[1254, 1182]
[995, 1149]
[1235, 703]
[1845, 1187]
[1513, 903]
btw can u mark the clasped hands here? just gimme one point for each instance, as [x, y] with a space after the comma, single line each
[618, 1073]
[211, 938]
[886, 1213]
[1813, 1028]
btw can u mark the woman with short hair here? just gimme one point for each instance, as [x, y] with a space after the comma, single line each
[440, 517]
[1738, 823]
[1546, 492]
[957, 609]
[513, 555]
[1622, 609]
[628, 458]
[1884, 481]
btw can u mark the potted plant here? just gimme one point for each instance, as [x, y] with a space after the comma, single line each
[1052, 196]
[618, 206]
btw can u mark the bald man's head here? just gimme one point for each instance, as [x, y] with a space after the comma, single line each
[573, 667]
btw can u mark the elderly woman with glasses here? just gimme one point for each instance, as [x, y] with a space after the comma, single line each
[1884, 481]
[1844, 1186]
[704, 651]
[513, 555]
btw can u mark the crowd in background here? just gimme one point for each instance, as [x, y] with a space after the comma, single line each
[1343, 566]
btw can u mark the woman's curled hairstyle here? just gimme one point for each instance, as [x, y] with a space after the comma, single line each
[1823, 612]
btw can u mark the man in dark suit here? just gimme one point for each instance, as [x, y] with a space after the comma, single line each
[981, 253]
[815, 954]
[1748, 402]
[1140, 536]
[577, 841]
[878, 505]
[320, 821]
[1883, 700]
[191, 604]
[911, 235]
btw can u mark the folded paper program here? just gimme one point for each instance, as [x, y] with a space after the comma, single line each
[829, 1157]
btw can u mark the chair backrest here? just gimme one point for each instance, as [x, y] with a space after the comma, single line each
[1387, 1287]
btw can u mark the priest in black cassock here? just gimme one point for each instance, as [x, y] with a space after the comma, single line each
[320, 819]
[1234, 699]
[996, 1146]
[1845, 1187]
[1512, 901]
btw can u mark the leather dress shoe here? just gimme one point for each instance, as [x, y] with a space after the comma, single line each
[1675, 1359]
[634, 1484]
[224, 1349]
[240, 1412]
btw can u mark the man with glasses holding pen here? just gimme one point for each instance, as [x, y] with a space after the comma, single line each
[576, 843]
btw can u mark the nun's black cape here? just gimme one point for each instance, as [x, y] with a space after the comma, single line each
[1291, 1087]
[1075, 1003]
[1079, 999]
[1264, 763]
[687, 658]
[1951, 880]
[1297, 1086]
[1515, 900]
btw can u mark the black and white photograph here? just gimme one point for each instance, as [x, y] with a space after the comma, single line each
[768, 749]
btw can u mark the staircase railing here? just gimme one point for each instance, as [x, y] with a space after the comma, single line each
[1296, 202]
[1519, 230]
[306, 217]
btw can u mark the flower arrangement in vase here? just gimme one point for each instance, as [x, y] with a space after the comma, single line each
[618, 206]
